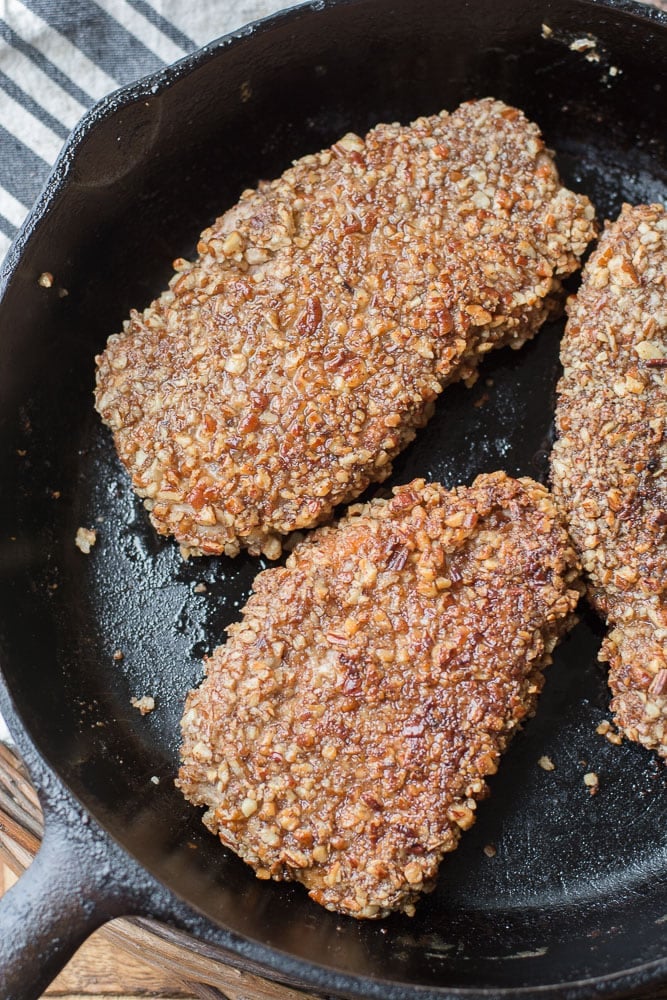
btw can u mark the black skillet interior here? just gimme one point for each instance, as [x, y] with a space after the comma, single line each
[576, 887]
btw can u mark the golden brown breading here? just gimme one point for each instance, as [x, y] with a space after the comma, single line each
[609, 465]
[344, 732]
[287, 366]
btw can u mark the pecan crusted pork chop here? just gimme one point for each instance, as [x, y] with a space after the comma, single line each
[609, 465]
[293, 359]
[343, 734]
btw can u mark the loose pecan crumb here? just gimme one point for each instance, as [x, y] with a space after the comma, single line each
[85, 539]
[144, 704]
[592, 782]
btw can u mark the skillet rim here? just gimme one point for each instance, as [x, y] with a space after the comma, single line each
[242, 949]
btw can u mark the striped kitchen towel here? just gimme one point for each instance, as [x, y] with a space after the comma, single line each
[57, 57]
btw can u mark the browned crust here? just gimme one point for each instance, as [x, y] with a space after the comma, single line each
[344, 732]
[286, 367]
[610, 462]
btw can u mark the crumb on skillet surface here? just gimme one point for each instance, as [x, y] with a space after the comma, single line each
[145, 704]
[609, 464]
[84, 539]
[285, 368]
[344, 732]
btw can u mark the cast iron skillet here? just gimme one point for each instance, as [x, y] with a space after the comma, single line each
[573, 903]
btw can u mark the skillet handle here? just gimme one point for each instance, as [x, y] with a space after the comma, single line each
[79, 879]
[51, 910]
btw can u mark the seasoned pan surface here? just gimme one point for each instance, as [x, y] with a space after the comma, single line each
[576, 887]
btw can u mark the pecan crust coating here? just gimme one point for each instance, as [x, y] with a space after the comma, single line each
[609, 465]
[344, 732]
[285, 368]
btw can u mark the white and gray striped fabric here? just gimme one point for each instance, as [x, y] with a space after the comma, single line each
[57, 57]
